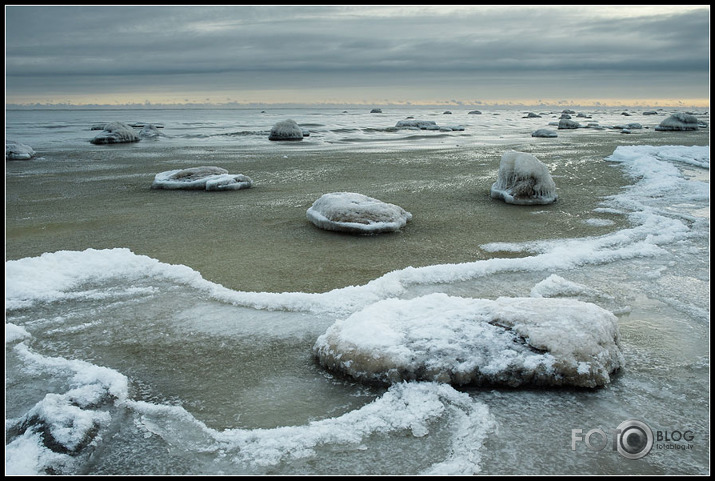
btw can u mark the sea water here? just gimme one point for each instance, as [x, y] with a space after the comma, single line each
[152, 332]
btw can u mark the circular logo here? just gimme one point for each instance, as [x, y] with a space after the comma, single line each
[634, 439]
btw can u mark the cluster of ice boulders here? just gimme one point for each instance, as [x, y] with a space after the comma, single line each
[201, 178]
[679, 121]
[523, 179]
[18, 151]
[466, 341]
[116, 133]
[286, 130]
[356, 214]
[412, 124]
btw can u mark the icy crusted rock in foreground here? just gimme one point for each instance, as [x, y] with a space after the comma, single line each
[356, 214]
[508, 341]
[116, 133]
[201, 178]
[523, 179]
[18, 151]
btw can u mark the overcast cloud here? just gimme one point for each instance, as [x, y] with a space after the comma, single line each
[354, 54]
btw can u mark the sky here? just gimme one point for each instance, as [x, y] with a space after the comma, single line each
[474, 55]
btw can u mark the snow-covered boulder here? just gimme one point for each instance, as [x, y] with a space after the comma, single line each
[18, 151]
[508, 341]
[116, 133]
[568, 124]
[679, 121]
[523, 179]
[356, 214]
[201, 178]
[286, 130]
[544, 133]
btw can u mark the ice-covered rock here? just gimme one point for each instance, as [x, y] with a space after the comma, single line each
[201, 178]
[150, 131]
[679, 121]
[417, 124]
[523, 179]
[447, 112]
[286, 130]
[532, 115]
[18, 151]
[568, 124]
[456, 340]
[474, 112]
[376, 111]
[544, 133]
[356, 214]
[116, 133]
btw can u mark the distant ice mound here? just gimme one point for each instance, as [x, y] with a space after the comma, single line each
[376, 111]
[509, 341]
[201, 178]
[18, 151]
[544, 133]
[356, 214]
[286, 130]
[150, 131]
[523, 179]
[679, 121]
[568, 124]
[417, 124]
[116, 133]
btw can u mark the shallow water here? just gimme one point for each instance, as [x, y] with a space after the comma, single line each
[218, 365]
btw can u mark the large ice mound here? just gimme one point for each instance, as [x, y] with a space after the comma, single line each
[115, 133]
[679, 121]
[286, 130]
[356, 214]
[18, 151]
[201, 178]
[456, 340]
[523, 179]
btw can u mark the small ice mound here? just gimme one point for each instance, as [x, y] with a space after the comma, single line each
[286, 130]
[150, 131]
[461, 341]
[18, 151]
[376, 111]
[679, 121]
[356, 214]
[417, 124]
[568, 124]
[523, 179]
[116, 133]
[544, 133]
[201, 178]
